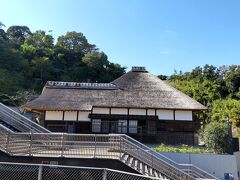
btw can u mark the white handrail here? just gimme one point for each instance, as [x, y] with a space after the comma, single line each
[164, 158]
[20, 118]
[106, 146]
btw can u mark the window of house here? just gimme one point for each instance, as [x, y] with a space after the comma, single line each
[96, 125]
[122, 126]
[133, 125]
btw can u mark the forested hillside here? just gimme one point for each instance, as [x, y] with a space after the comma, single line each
[29, 59]
[218, 88]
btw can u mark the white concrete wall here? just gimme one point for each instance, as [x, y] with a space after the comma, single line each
[183, 115]
[137, 112]
[151, 112]
[165, 114]
[214, 164]
[237, 155]
[54, 115]
[70, 115]
[83, 116]
[101, 110]
[119, 111]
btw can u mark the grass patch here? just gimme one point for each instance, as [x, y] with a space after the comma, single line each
[182, 149]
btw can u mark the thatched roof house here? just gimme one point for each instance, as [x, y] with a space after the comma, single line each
[136, 89]
[137, 95]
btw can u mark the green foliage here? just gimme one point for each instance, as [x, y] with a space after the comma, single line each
[216, 88]
[20, 98]
[39, 40]
[76, 43]
[1, 25]
[228, 109]
[17, 34]
[29, 59]
[99, 69]
[216, 136]
[203, 84]
[182, 149]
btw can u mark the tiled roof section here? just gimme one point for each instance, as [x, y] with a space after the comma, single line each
[77, 85]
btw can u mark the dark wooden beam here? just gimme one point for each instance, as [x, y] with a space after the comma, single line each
[63, 115]
[77, 115]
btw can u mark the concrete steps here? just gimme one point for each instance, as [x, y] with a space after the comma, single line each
[141, 167]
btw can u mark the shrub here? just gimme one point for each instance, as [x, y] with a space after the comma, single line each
[216, 136]
[181, 149]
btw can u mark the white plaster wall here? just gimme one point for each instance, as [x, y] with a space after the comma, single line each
[151, 112]
[119, 111]
[54, 115]
[165, 114]
[183, 115]
[137, 112]
[101, 110]
[215, 164]
[83, 116]
[70, 115]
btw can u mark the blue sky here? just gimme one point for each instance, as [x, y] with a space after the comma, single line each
[162, 35]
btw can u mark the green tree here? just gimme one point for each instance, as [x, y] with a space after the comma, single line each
[18, 34]
[1, 25]
[75, 42]
[228, 109]
[232, 78]
[3, 35]
[99, 69]
[216, 136]
[39, 40]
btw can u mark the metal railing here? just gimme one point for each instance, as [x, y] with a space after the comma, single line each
[112, 146]
[57, 172]
[154, 159]
[19, 122]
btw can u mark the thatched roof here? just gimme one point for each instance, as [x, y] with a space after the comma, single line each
[135, 89]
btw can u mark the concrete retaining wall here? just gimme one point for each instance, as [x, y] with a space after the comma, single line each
[215, 164]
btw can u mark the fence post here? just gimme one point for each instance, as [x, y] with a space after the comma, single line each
[120, 146]
[95, 147]
[152, 160]
[104, 174]
[7, 143]
[40, 168]
[62, 144]
[30, 147]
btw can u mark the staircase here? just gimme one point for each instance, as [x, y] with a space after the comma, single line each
[8, 126]
[140, 166]
[36, 141]
[148, 162]
[18, 122]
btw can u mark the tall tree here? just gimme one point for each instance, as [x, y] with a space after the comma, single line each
[18, 34]
[223, 110]
[75, 42]
[100, 69]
